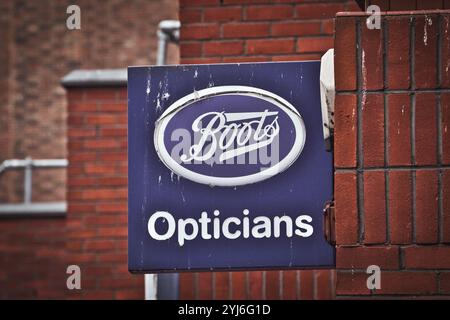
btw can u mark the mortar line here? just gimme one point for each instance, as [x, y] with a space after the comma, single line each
[439, 158]
[385, 26]
[412, 51]
[413, 162]
[395, 168]
[439, 128]
[413, 197]
[360, 162]
[401, 258]
[439, 52]
[440, 209]
[378, 91]
[386, 161]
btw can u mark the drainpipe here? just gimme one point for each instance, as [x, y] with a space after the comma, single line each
[163, 286]
[168, 31]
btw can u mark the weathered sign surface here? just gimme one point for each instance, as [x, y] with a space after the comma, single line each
[227, 167]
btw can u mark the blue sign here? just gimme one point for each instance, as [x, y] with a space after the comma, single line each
[227, 168]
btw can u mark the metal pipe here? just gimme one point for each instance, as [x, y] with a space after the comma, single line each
[151, 286]
[168, 31]
[28, 208]
[28, 181]
[162, 48]
[47, 209]
[168, 286]
[39, 163]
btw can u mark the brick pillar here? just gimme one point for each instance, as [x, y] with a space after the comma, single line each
[97, 192]
[392, 153]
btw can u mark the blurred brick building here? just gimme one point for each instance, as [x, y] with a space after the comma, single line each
[36, 51]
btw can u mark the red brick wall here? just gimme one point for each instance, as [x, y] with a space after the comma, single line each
[97, 194]
[392, 186]
[32, 259]
[262, 30]
[273, 285]
[397, 5]
[36, 51]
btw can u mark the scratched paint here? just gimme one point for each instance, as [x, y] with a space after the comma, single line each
[299, 191]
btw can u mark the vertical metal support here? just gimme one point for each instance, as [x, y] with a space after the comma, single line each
[28, 181]
[162, 48]
[151, 285]
[168, 31]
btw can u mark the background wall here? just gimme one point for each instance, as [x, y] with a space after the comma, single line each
[36, 51]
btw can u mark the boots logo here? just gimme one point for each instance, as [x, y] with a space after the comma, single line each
[229, 136]
[231, 132]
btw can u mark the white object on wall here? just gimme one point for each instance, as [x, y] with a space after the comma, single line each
[327, 94]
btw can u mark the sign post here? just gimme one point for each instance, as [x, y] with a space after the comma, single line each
[227, 168]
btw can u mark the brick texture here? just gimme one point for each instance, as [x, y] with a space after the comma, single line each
[399, 129]
[257, 285]
[33, 108]
[427, 207]
[374, 207]
[345, 53]
[277, 31]
[345, 195]
[372, 58]
[400, 207]
[398, 52]
[96, 233]
[36, 120]
[372, 109]
[426, 129]
[391, 194]
[360, 257]
[345, 130]
[426, 28]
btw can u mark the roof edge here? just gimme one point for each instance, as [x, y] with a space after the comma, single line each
[95, 78]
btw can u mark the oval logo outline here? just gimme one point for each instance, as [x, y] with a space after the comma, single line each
[188, 100]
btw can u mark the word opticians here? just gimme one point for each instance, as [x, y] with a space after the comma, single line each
[162, 226]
